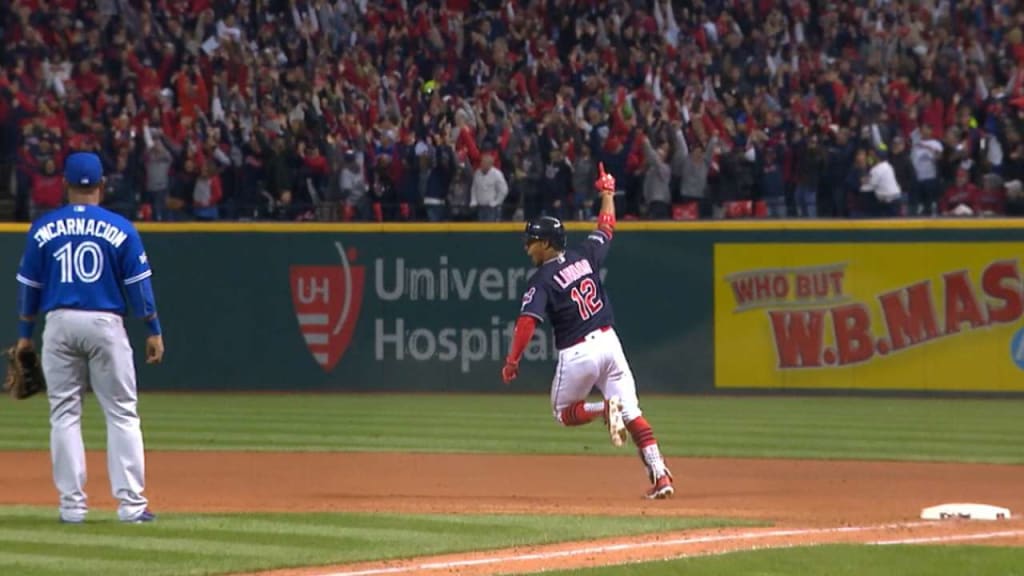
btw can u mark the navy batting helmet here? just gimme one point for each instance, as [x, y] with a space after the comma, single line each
[547, 228]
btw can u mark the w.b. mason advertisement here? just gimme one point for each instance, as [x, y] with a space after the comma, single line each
[908, 316]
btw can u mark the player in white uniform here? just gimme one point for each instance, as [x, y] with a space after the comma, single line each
[567, 290]
[80, 264]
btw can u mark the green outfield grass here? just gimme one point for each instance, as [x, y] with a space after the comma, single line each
[839, 560]
[854, 428]
[32, 543]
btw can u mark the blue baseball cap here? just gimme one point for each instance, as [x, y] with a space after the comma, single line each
[83, 169]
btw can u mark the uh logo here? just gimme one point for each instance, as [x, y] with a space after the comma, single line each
[327, 300]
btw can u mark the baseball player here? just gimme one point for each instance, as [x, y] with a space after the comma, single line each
[81, 263]
[567, 290]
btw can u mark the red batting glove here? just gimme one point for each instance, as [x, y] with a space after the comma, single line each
[510, 371]
[605, 182]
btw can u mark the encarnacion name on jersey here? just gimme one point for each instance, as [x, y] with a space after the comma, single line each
[80, 227]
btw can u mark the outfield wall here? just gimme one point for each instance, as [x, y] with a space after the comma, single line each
[701, 307]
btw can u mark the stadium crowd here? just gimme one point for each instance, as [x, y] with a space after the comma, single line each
[502, 109]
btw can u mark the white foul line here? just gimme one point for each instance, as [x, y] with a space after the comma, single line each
[953, 538]
[742, 536]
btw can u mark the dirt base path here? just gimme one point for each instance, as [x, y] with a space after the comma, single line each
[817, 501]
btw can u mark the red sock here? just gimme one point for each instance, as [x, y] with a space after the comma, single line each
[641, 432]
[647, 446]
[581, 413]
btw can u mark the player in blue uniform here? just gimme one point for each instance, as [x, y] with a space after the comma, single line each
[81, 263]
[567, 290]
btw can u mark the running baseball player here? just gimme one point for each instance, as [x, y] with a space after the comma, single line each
[81, 263]
[567, 290]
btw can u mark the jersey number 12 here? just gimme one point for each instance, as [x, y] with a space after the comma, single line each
[585, 297]
[82, 263]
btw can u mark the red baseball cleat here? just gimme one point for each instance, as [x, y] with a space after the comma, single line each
[662, 488]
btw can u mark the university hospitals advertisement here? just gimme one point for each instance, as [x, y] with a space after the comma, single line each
[896, 316]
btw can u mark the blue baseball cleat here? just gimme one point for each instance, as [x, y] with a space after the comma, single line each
[143, 517]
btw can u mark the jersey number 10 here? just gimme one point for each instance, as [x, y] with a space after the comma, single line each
[585, 297]
[82, 263]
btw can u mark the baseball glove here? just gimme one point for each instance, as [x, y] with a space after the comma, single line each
[24, 374]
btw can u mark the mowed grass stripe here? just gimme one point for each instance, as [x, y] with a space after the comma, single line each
[694, 446]
[166, 541]
[819, 454]
[45, 561]
[357, 410]
[311, 533]
[869, 439]
[472, 410]
[324, 434]
[834, 560]
[851, 428]
[540, 440]
[74, 548]
[322, 438]
[227, 543]
[393, 524]
[260, 422]
[904, 431]
[104, 561]
[368, 408]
